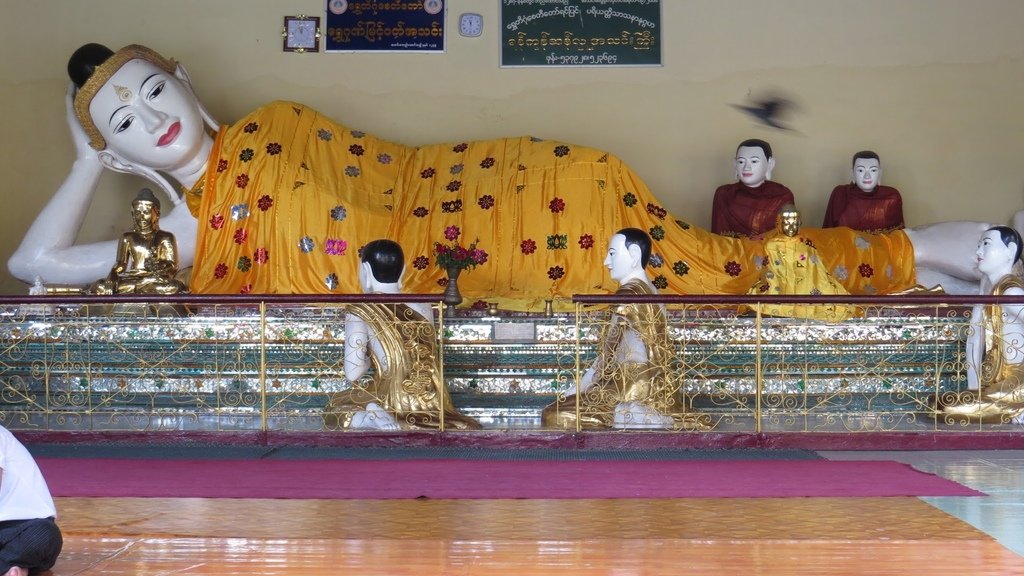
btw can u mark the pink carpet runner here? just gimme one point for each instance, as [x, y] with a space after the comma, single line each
[539, 479]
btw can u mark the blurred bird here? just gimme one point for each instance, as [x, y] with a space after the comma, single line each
[769, 111]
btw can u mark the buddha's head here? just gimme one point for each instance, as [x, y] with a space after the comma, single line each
[789, 220]
[145, 210]
[629, 250]
[382, 262]
[998, 250]
[754, 162]
[137, 105]
[867, 170]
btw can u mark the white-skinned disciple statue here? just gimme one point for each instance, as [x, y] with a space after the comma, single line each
[282, 200]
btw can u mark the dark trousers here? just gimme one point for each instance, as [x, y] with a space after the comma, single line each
[30, 544]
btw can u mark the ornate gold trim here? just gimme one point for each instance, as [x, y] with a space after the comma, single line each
[103, 72]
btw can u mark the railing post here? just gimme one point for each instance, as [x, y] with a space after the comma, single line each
[440, 366]
[758, 372]
[576, 375]
[263, 366]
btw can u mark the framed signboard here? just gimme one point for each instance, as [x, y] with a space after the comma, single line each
[385, 26]
[580, 33]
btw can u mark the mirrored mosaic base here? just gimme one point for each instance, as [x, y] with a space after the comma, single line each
[237, 368]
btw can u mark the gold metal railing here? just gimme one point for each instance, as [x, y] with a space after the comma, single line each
[235, 364]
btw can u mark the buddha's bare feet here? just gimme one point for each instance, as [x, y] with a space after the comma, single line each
[374, 417]
[16, 571]
[633, 415]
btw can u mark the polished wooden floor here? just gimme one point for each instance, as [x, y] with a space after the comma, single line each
[800, 536]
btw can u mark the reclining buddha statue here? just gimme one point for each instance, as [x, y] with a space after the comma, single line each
[281, 201]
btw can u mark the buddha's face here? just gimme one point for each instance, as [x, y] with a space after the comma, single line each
[994, 257]
[867, 173]
[752, 167]
[148, 117]
[790, 222]
[619, 261]
[145, 216]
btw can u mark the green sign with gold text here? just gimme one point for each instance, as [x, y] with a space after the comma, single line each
[580, 33]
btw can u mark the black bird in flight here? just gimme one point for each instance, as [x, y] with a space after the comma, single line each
[769, 111]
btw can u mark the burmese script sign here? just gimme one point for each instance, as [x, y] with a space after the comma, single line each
[580, 32]
[384, 26]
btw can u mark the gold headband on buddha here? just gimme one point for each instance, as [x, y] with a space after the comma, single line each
[103, 72]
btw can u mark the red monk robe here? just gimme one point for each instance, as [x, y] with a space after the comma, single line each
[744, 212]
[880, 210]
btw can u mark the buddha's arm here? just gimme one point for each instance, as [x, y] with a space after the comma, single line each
[357, 349]
[1013, 329]
[606, 352]
[123, 258]
[184, 227]
[48, 249]
[166, 257]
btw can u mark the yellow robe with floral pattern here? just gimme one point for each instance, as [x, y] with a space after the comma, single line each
[793, 267]
[290, 196]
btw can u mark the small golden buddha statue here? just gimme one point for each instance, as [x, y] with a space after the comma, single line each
[147, 257]
[793, 267]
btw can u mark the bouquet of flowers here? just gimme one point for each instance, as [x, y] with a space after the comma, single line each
[455, 255]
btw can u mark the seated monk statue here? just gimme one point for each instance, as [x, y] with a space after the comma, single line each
[864, 204]
[400, 341]
[747, 208]
[281, 201]
[793, 266]
[995, 346]
[147, 257]
[627, 386]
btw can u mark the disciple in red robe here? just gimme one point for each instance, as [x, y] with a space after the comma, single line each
[880, 210]
[744, 212]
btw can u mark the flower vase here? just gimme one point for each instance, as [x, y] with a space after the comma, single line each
[451, 296]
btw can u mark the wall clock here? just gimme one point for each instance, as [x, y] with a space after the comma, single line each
[471, 24]
[301, 33]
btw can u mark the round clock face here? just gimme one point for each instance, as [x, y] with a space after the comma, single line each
[471, 24]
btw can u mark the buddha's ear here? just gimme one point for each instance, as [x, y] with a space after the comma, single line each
[181, 74]
[112, 162]
[771, 166]
[636, 254]
[366, 277]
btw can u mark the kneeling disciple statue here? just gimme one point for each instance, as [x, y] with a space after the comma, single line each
[400, 341]
[627, 386]
[147, 257]
[995, 347]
